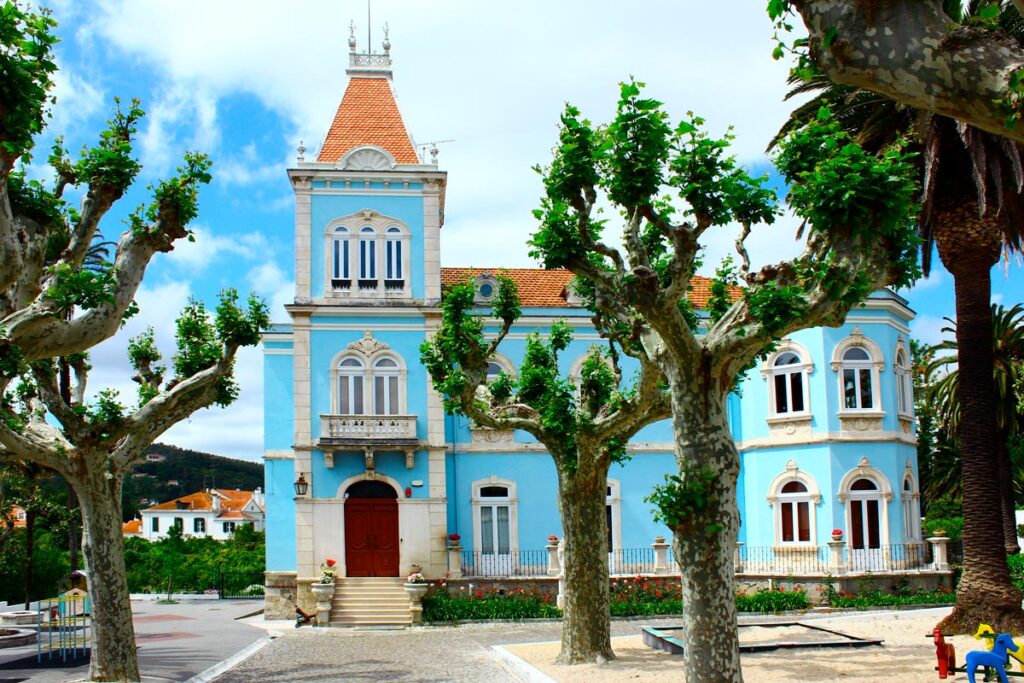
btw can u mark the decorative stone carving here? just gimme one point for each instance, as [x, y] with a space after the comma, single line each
[367, 159]
[487, 435]
[368, 345]
[789, 426]
[906, 424]
[860, 423]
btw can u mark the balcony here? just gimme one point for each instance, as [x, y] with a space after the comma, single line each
[368, 430]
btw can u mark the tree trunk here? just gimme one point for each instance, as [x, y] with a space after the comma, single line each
[705, 541]
[1004, 480]
[586, 627]
[985, 593]
[30, 549]
[113, 654]
[64, 384]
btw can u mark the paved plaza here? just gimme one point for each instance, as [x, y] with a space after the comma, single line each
[176, 642]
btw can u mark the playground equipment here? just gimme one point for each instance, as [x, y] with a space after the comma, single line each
[794, 635]
[995, 660]
[64, 627]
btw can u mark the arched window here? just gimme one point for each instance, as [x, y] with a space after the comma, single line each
[340, 278]
[495, 525]
[367, 258]
[789, 385]
[393, 271]
[911, 510]
[904, 384]
[386, 392]
[857, 374]
[350, 386]
[795, 513]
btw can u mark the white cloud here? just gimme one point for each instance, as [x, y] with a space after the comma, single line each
[928, 329]
[208, 247]
[78, 99]
[269, 281]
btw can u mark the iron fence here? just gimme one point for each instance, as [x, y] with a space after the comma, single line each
[514, 563]
[631, 561]
[955, 550]
[240, 584]
[784, 560]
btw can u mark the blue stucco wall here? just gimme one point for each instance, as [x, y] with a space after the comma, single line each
[278, 406]
[279, 476]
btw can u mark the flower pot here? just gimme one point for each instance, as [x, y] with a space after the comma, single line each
[416, 591]
[416, 569]
[323, 592]
[837, 537]
[659, 539]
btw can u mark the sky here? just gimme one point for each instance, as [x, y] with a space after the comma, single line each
[246, 80]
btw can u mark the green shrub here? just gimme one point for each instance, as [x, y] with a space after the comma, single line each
[953, 526]
[772, 601]
[880, 599]
[944, 508]
[484, 603]
[1016, 563]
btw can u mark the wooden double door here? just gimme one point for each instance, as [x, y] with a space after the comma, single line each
[371, 530]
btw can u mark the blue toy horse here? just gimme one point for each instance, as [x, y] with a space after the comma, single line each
[995, 658]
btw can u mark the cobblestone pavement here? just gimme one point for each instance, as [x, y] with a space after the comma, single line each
[417, 655]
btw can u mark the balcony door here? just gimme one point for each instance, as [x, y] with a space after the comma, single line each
[371, 530]
[495, 533]
[865, 503]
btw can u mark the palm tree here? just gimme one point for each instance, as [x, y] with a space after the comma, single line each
[971, 210]
[1008, 355]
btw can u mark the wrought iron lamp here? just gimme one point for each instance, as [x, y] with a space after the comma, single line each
[301, 485]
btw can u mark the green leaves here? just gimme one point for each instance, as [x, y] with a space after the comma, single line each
[27, 68]
[682, 499]
[639, 142]
[83, 288]
[110, 165]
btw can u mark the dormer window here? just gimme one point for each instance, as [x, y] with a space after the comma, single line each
[486, 288]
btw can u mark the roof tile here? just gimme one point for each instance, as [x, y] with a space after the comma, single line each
[368, 115]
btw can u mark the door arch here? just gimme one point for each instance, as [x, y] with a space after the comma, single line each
[371, 529]
[864, 509]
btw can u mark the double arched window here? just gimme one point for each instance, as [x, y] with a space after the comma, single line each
[367, 254]
[373, 385]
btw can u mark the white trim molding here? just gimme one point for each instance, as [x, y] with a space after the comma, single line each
[366, 243]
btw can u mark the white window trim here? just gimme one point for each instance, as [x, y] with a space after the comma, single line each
[904, 378]
[864, 470]
[911, 507]
[369, 350]
[477, 502]
[380, 224]
[776, 498]
[614, 499]
[805, 367]
[481, 280]
[876, 364]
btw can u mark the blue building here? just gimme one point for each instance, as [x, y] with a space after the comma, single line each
[364, 467]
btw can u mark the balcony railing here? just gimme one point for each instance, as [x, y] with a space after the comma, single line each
[382, 427]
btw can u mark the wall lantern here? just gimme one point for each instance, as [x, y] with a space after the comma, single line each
[301, 485]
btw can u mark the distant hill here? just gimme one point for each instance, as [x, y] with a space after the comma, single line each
[183, 471]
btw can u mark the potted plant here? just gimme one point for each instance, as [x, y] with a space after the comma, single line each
[453, 540]
[416, 586]
[552, 540]
[837, 534]
[323, 590]
[659, 539]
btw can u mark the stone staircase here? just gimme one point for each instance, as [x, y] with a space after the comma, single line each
[370, 602]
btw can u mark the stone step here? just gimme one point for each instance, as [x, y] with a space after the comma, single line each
[357, 623]
[389, 600]
[400, 615]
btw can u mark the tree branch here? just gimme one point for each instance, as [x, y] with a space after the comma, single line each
[907, 51]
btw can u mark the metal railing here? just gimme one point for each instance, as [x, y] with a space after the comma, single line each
[796, 559]
[623, 561]
[236, 585]
[514, 563]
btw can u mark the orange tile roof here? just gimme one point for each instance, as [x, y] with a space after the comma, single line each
[539, 287]
[368, 115]
[132, 527]
[203, 500]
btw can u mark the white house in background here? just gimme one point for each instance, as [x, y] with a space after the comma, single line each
[214, 512]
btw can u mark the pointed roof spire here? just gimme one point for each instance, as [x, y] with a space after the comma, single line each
[368, 114]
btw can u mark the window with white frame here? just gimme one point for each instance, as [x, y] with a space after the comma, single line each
[794, 510]
[341, 278]
[788, 385]
[373, 385]
[367, 254]
[393, 278]
[904, 384]
[351, 372]
[367, 258]
[199, 525]
[495, 524]
[911, 511]
[858, 381]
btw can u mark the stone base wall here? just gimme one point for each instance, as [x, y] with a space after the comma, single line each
[280, 587]
[816, 586]
[544, 584]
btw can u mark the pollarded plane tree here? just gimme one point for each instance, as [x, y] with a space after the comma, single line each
[95, 444]
[55, 304]
[670, 186]
[584, 428]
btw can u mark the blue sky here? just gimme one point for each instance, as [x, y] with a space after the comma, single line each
[245, 81]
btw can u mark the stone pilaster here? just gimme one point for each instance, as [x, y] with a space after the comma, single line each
[432, 241]
[303, 218]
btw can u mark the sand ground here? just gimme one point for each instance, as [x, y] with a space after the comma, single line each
[907, 654]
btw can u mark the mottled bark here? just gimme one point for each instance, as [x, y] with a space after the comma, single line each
[113, 653]
[705, 542]
[985, 593]
[910, 51]
[586, 628]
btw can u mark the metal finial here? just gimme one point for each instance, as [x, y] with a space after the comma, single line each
[302, 152]
[433, 154]
[387, 41]
[352, 36]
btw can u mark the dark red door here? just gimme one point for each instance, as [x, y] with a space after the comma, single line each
[371, 537]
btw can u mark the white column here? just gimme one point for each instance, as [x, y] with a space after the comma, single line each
[660, 555]
[940, 554]
[303, 193]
